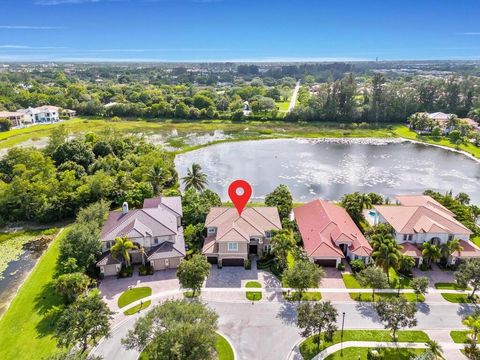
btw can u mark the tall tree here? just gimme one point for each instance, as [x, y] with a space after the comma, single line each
[419, 285]
[450, 247]
[303, 275]
[156, 177]
[192, 273]
[396, 314]
[281, 198]
[176, 329]
[282, 243]
[122, 248]
[469, 274]
[83, 322]
[431, 253]
[317, 319]
[195, 178]
[71, 285]
[372, 277]
[386, 253]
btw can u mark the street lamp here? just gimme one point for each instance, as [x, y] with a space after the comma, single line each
[341, 336]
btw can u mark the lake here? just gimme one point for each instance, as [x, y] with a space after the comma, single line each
[330, 168]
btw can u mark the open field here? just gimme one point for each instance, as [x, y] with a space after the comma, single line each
[26, 334]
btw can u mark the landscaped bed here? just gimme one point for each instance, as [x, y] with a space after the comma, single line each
[359, 353]
[459, 298]
[138, 308]
[253, 295]
[385, 296]
[449, 286]
[132, 295]
[309, 347]
[459, 336]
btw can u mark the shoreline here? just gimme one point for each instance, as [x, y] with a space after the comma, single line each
[376, 141]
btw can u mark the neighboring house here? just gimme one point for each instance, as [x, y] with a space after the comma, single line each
[156, 230]
[442, 120]
[15, 117]
[329, 234]
[419, 218]
[231, 237]
[41, 114]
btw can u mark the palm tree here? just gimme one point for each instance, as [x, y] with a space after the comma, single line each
[473, 323]
[450, 247]
[365, 201]
[122, 248]
[282, 244]
[406, 263]
[435, 348]
[387, 253]
[195, 178]
[431, 253]
[156, 177]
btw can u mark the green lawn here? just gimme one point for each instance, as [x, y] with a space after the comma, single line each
[309, 348]
[132, 295]
[396, 281]
[306, 296]
[476, 240]
[382, 296]
[138, 308]
[358, 353]
[253, 295]
[459, 336]
[405, 132]
[458, 298]
[223, 348]
[283, 105]
[26, 334]
[449, 286]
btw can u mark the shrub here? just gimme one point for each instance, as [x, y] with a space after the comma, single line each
[357, 265]
[126, 272]
[341, 267]
[425, 267]
[145, 270]
[248, 264]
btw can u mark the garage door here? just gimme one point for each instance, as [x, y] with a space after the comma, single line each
[232, 262]
[212, 259]
[326, 262]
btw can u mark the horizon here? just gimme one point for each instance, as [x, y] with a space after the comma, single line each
[208, 31]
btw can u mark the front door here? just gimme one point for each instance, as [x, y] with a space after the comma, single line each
[253, 249]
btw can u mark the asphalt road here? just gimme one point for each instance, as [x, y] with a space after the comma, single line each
[267, 330]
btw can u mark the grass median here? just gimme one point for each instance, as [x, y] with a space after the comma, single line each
[309, 347]
[253, 295]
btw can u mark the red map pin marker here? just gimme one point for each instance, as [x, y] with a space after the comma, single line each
[240, 192]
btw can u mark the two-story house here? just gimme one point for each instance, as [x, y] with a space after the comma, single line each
[156, 231]
[232, 237]
[419, 218]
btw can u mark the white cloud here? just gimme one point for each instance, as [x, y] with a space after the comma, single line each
[29, 27]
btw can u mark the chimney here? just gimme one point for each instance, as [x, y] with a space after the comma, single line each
[125, 208]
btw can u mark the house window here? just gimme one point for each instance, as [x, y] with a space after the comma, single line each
[232, 246]
[155, 240]
[410, 237]
[167, 263]
[268, 234]
[266, 248]
[211, 230]
[450, 237]
[405, 237]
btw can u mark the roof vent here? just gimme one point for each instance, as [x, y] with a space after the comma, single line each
[125, 208]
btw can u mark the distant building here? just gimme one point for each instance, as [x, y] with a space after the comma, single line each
[15, 117]
[41, 114]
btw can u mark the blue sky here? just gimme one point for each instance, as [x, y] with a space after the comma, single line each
[238, 30]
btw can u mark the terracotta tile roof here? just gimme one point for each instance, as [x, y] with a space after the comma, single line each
[254, 221]
[323, 225]
[410, 249]
[421, 214]
[470, 250]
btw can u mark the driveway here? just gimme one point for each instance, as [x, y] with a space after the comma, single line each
[161, 281]
[435, 275]
[333, 280]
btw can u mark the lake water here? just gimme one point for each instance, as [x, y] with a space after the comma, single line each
[321, 169]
